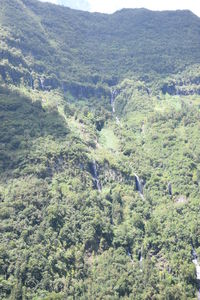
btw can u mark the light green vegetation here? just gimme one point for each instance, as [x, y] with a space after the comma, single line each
[108, 139]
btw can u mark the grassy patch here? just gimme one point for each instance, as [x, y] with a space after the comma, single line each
[108, 139]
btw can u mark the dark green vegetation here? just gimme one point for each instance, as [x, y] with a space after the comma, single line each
[73, 225]
[64, 46]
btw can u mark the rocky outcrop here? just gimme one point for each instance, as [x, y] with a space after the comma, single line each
[181, 88]
[169, 88]
[79, 90]
[169, 187]
[93, 170]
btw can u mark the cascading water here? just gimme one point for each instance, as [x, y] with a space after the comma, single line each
[42, 83]
[112, 100]
[130, 256]
[117, 120]
[140, 260]
[112, 103]
[139, 186]
[196, 263]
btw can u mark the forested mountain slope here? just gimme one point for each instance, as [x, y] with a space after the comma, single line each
[99, 153]
[43, 40]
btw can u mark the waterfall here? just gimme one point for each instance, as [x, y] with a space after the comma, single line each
[42, 83]
[112, 103]
[117, 120]
[197, 266]
[130, 256]
[140, 260]
[95, 176]
[139, 186]
[112, 100]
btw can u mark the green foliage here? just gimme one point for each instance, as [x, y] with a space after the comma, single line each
[39, 44]
[73, 225]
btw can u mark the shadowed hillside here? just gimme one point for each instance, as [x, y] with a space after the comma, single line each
[64, 45]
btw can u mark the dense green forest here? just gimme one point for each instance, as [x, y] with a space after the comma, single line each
[99, 153]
